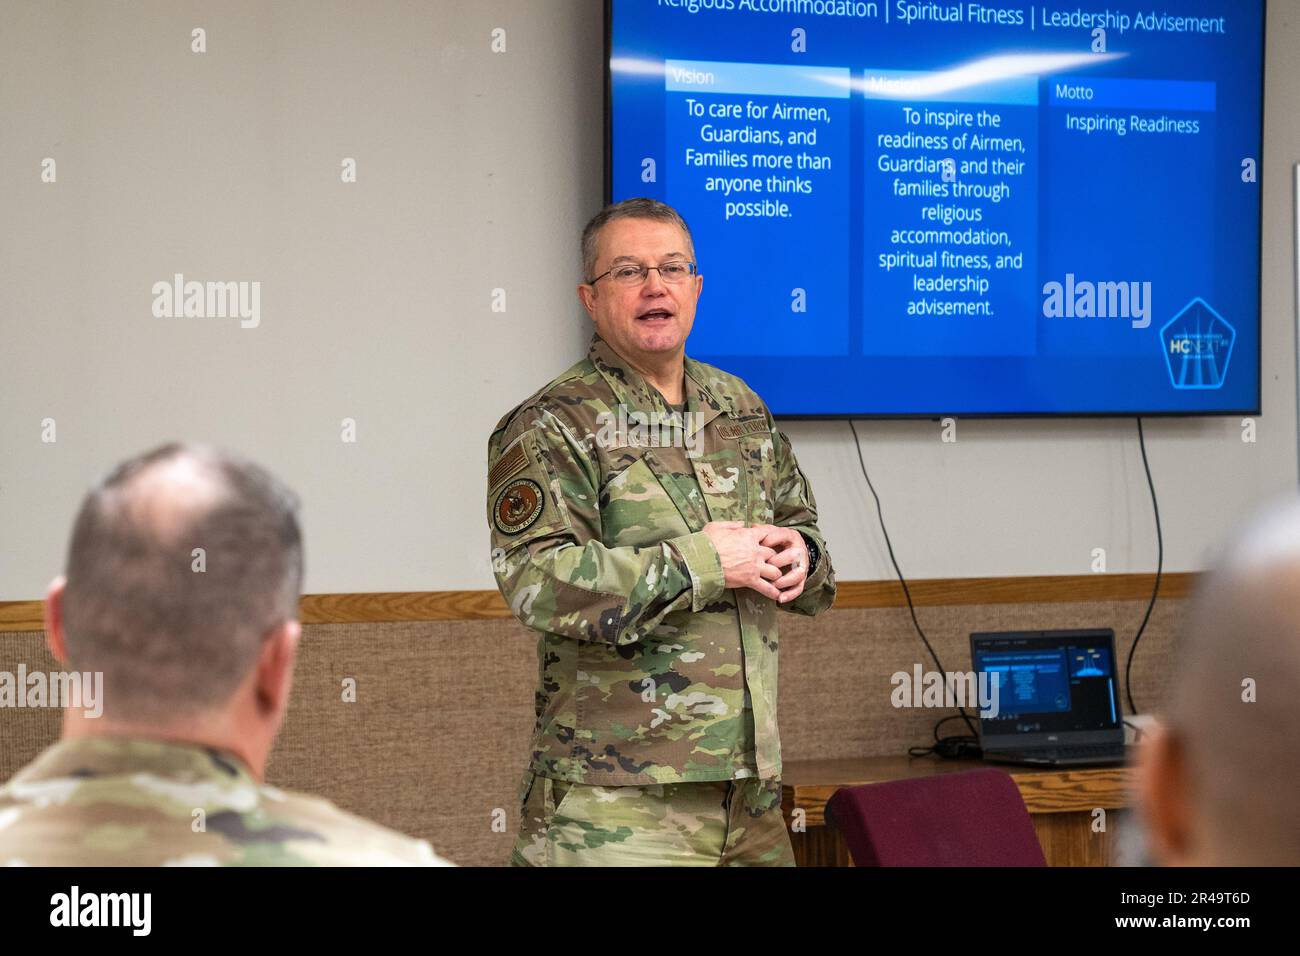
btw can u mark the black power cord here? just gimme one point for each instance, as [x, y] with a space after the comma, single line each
[962, 745]
[958, 745]
[1160, 564]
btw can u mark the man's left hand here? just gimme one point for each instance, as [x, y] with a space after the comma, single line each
[791, 556]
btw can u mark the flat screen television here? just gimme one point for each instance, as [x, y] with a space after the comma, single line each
[927, 208]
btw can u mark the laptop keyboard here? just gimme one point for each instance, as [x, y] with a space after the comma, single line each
[1071, 753]
[1089, 750]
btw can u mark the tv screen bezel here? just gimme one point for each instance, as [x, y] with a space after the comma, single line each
[1256, 411]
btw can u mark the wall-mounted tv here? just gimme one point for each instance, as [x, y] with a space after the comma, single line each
[928, 208]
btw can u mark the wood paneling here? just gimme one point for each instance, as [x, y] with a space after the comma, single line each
[380, 606]
[1043, 589]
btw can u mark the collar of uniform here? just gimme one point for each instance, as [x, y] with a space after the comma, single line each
[704, 401]
[631, 390]
[109, 756]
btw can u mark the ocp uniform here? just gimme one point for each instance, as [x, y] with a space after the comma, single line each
[650, 670]
[122, 801]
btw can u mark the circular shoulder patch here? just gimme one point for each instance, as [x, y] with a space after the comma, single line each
[518, 506]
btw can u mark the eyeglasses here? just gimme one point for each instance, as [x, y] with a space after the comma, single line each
[632, 273]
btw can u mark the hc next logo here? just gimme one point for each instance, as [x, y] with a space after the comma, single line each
[1197, 345]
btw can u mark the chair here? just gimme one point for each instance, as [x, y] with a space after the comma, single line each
[973, 818]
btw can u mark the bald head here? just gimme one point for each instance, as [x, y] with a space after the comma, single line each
[1234, 723]
[181, 560]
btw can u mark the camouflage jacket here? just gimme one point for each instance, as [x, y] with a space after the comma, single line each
[649, 669]
[97, 801]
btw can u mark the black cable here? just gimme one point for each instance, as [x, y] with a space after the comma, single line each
[1160, 564]
[955, 746]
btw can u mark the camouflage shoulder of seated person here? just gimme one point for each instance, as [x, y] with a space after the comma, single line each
[130, 802]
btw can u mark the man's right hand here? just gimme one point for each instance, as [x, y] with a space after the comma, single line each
[744, 560]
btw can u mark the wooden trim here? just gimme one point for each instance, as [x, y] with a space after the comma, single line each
[1045, 589]
[809, 784]
[403, 606]
[381, 606]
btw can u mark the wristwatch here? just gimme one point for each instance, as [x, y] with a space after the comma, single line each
[814, 553]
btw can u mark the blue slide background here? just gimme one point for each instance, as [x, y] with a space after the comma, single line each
[1165, 208]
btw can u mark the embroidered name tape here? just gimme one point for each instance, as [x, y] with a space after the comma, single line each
[754, 426]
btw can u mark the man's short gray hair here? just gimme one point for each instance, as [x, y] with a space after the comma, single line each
[171, 639]
[638, 208]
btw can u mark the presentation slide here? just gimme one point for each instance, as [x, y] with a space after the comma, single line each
[1072, 683]
[930, 208]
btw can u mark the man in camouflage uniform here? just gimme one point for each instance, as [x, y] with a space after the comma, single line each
[197, 664]
[649, 521]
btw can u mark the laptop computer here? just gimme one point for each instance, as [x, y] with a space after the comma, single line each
[1054, 697]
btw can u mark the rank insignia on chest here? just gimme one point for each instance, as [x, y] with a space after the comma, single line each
[712, 482]
[518, 506]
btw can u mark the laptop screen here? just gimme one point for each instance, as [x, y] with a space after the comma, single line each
[1049, 681]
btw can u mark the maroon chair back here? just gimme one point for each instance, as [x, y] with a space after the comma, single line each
[973, 818]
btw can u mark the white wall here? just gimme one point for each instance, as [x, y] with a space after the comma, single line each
[475, 172]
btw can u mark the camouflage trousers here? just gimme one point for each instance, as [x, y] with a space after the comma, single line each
[722, 823]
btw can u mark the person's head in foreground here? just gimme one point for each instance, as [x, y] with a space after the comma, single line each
[182, 585]
[181, 588]
[1219, 775]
